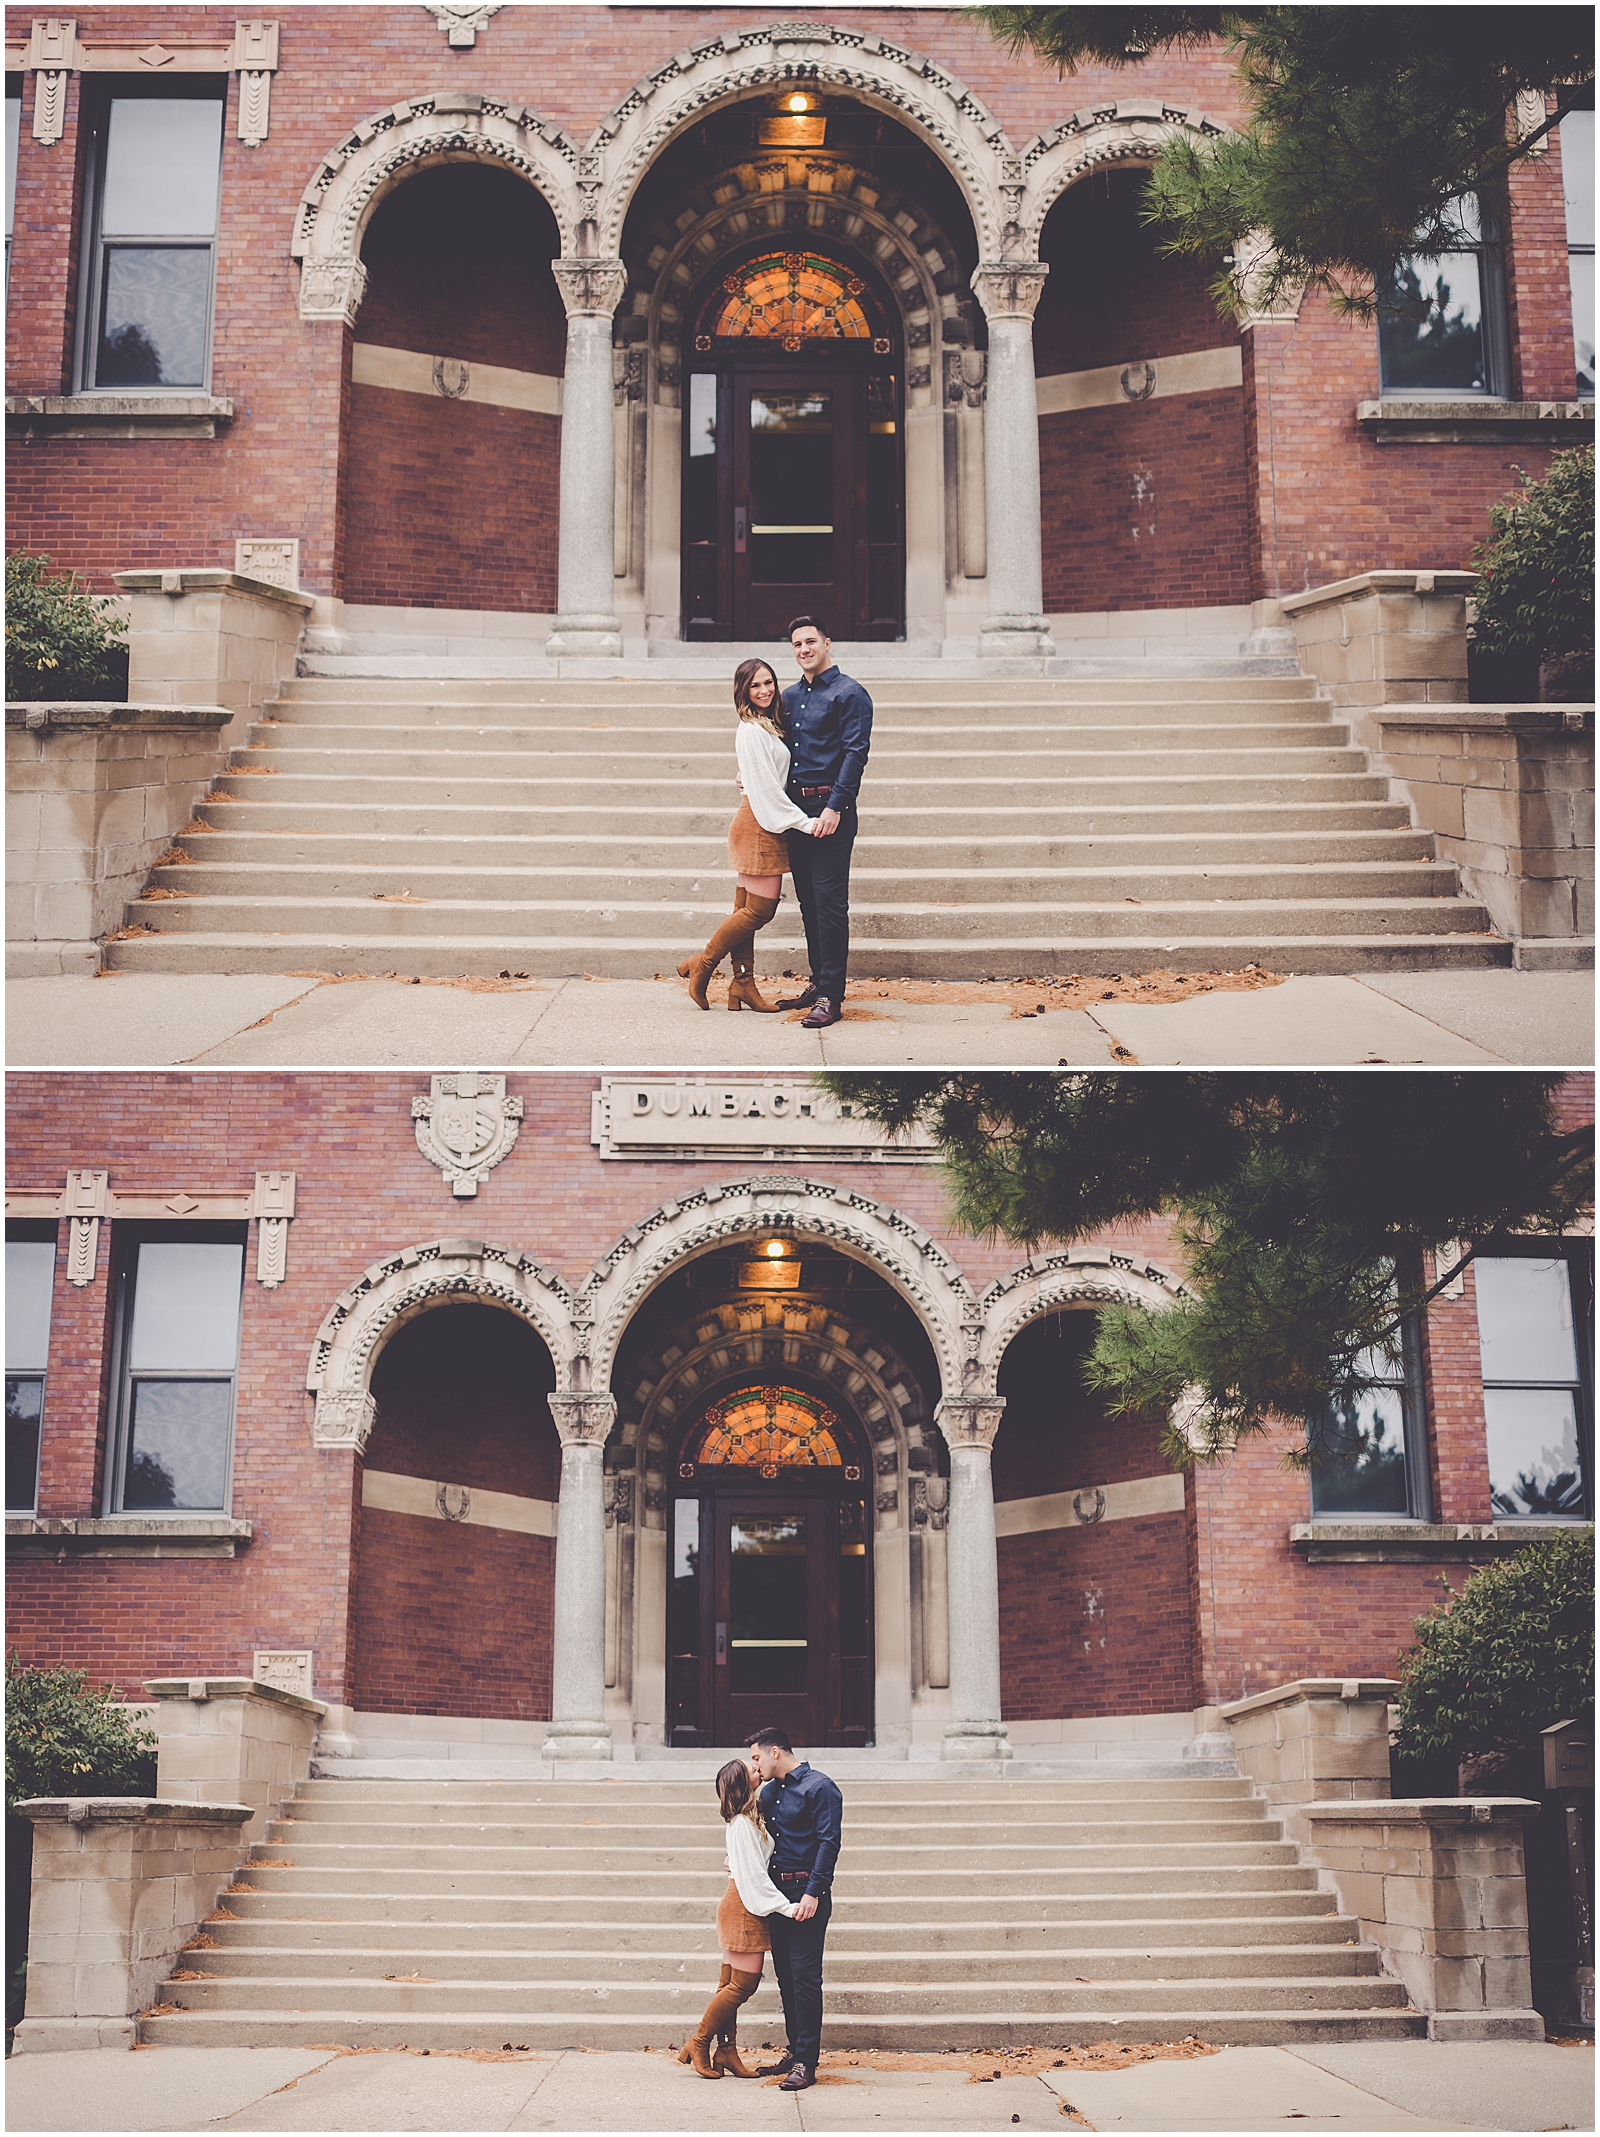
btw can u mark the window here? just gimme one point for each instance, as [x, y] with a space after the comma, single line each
[13, 142]
[1577, 179]
[30, 1278]
[149, 270]
[788, 297]
[767, 1429]
[178, 1341]
[1441, 326]
[1534, 1311]
[1370, 1455]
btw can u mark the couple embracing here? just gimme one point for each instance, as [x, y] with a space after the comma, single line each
[783, 1821]
[801, 754]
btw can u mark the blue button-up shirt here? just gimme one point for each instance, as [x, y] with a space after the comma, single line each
[805, 1816]
[830, 723]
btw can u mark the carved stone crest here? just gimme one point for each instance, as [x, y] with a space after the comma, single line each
[466, 1125]
[1138, 381]
[461, 24]
[452, 377]
[1089, 1505]
[454, 1501]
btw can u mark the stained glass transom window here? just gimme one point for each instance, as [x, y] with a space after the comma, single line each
[790, 297]
[766, 1429]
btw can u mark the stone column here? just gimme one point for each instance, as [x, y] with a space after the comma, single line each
[578, 1728]
[1015, 627]
[586, 623]
[976, 1730]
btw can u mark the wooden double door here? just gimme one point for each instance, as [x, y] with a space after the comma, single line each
[792, 489]
[770, 1610]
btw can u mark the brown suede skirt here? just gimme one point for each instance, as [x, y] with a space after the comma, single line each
[754, 852]
[737, 1928]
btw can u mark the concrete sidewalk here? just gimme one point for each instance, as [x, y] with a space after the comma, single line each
[1375, 2086]
[1425, 1019]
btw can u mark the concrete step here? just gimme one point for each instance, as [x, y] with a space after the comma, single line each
[595, 744]
[848, 1966]
[452, 956]
[693, 1932]
[1215, 1870]
[629, 924]
[706, 717]
[1123, 1846]
[914, 691]
[934, 1791]
[679, 888]
[684, 1823]
[961, 2028]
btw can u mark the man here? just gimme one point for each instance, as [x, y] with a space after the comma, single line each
[830, 721]
[804, 1812]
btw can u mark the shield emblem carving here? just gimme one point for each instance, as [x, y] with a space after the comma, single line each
[466, 1125]
[452, 377]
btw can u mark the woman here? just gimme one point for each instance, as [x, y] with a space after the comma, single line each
[757, 849]
[741, 1927]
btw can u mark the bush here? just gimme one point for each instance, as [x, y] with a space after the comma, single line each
[64, 1740]
[1508, 1655]
[62, 642]
[1536, 585]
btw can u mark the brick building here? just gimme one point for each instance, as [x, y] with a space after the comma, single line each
[598, 1414]
[536, 316]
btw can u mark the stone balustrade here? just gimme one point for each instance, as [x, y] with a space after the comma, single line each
[211, 635]
[1384, 638]
[95, 792]
[233, 1737]
[1439, 1885]
[120, 1885]
[1317, 1739]
[1508, 793]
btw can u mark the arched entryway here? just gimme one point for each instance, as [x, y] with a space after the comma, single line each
[769, 1615]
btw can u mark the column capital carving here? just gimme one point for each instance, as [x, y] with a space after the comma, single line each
[1009, 289]
[583, 1420]
[344, 1417]
[590, 288]
[332, 289]
[968, 1421]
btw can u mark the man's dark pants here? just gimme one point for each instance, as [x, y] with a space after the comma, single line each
[821, 871]
[797, 1962]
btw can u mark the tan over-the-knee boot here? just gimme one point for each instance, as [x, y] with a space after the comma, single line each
[727, 2055]
[719, 2012]
[742, 990]
[733, 934]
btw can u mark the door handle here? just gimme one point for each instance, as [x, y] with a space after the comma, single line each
[741, 529]
[722, 1643]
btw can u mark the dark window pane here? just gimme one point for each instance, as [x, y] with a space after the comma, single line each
[1363, 1464]
[1525, 1320]
[1430, 331]
[1533, 1451]
[13, 136]
[1576, 133]
[178, 1446]
[153, 316]
[30, 1272]
[767, 1605]
[1581, 266]
[163, 165]
[24, 1402]
[186, 1306]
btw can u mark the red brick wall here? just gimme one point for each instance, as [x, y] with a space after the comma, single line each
[1093, 1619]
[455, 504]
[1145, 503]
[452, 1617]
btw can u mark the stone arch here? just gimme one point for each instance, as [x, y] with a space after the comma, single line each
[741, 63]
[706, 1217]
[756, 198]
[395, 1290]
[445, 126]
[1077, 1276]
[1134, 130]
[756, 1334]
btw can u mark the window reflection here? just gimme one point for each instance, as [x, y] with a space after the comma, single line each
[30, 1276]
[154, 230]
[1533, 1397]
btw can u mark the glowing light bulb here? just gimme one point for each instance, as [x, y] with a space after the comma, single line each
[775, 1249]
[799, 103]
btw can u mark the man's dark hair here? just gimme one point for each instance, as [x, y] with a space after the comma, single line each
[815, 623]
[771, 1740]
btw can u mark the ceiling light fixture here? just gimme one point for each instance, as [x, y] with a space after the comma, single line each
[799, 103]
[775, 1249]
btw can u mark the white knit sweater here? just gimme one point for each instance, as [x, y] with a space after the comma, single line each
[749, 1852]
[764, 775]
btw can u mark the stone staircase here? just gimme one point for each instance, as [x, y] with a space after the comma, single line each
[969, 1913]
[1012, 829]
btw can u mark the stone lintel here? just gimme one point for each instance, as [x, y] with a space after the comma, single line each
[1381, 582]
[1309, 1688]
[81, 714]
[211, 582]
[129, 1810]
[198, 1688]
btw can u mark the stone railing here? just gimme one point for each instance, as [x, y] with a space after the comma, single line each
[1508, 793]
[120, 1885]
[1316, 1740]
[1439, 1885]
[233, 1737]
[211, 635]
[95, 793]
[1384, 638]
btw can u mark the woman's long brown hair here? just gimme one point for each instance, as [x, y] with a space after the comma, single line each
[736, 1797]
[774, 719]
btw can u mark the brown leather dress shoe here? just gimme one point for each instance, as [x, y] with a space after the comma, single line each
[798, 1001]
[798, 2079]
[823, 1013]
[779, 2069]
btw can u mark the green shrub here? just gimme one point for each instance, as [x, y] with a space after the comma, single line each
[62, 1739]
[1507, 1655]
[62, 642]
[1536, 583]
